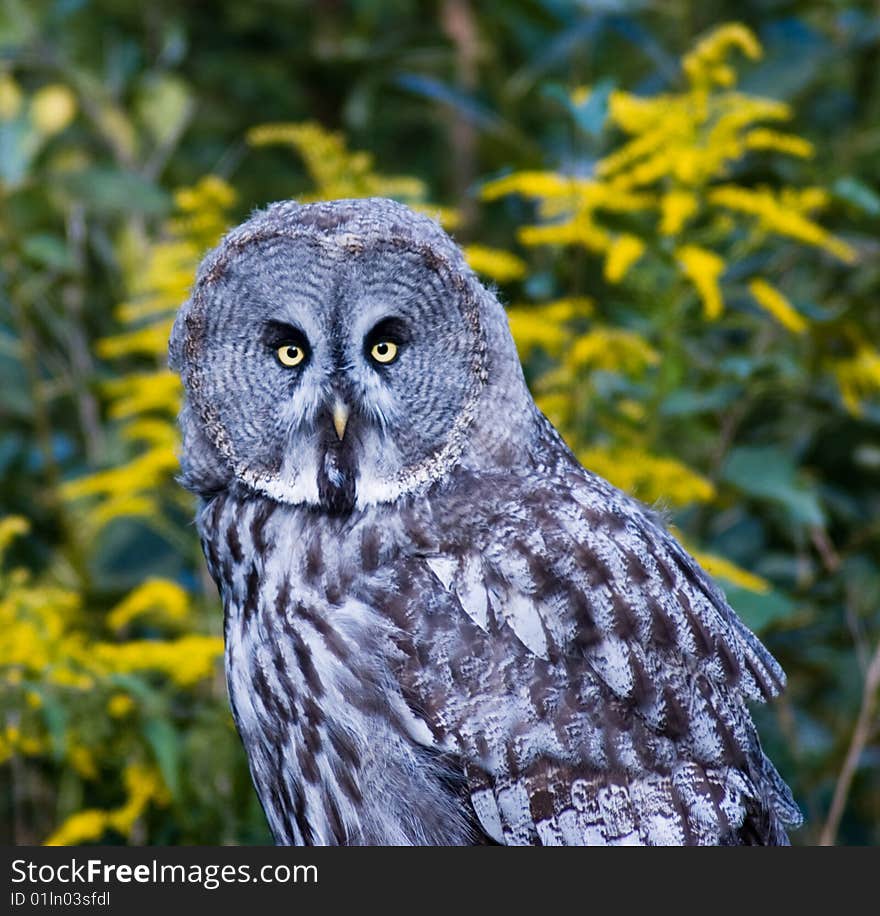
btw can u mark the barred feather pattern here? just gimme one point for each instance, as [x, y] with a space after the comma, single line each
[550, 669]
[440, 628]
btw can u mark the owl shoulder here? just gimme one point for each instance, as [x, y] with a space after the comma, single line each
[578, 569]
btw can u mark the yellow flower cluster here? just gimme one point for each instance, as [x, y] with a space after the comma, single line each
[11, 527]
[47, 645]
[52, 109]
[661, 212]
[678, 146]
[612, 350]
[721, 568]
[334, 170]
[143, 785]
[185, 661]
[495, 263]
[10, 97]
[337, 172]
[676, 208]
[44, 637]
[704, 269]
[858, 376]
[653, 478]
[14, 741]
[623, 252]
[772, 301]
[147, 402]
[706, 63]
[156, 599]
[773, 216]
[546, 325]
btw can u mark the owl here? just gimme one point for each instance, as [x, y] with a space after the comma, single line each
[440, 629]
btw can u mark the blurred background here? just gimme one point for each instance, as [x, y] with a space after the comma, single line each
[679, 203]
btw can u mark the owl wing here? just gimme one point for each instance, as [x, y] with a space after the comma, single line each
[597, 688]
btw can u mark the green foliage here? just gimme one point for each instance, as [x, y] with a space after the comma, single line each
[685, 339]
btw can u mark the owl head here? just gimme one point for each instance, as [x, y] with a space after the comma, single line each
[342, 354]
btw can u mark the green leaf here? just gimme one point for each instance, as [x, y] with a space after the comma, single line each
[591, 115]
[55, 717]
[165, 744]
[769, 474]
[114, 192]
[758, 610]
[49, 251]
[686, 402]
[164, 105]
[18, 146]
[468, 107]
[858, 194]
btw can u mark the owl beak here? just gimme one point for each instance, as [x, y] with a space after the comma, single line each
[340, 417]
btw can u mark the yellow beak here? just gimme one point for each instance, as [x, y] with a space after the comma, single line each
[340, 417]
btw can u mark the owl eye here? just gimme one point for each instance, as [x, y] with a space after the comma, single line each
[384, 351]
[290, 355]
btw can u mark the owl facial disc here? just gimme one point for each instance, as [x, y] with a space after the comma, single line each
[333, 355]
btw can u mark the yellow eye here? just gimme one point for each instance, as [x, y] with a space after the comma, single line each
[384, 352]
[290, 355]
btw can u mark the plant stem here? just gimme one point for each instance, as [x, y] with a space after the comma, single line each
[860, 737]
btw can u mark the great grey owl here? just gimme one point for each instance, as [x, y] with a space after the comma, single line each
[440, 629]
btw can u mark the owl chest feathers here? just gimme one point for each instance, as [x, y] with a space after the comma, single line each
[312, 657]
[428, 675]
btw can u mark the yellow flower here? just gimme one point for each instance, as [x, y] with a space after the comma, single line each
[52, 109]
[858, 376]
[703, 268]
[625, 250]
[147, 340]
[632, 410]
[773, 216]
[763, 139]
[11, 527]
[211, 192]
[494, 263]
[580, 231]
[83, 761]
[151, 431]
[10, 97]
[721, 568]
[144, 472]
[804, 200]
[82, 827]
[772, 301]
[705, 63]
[612, 350]
[545, 325]
[676, 208]
[186, 660]
[555, 406]
[530, 330]
[335, 171]
[531, 184]
[120, 705]
[143, 784]
[142, 392]
[158, 599]
[650, 477]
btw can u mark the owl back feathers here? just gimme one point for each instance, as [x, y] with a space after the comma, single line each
[627, 719]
